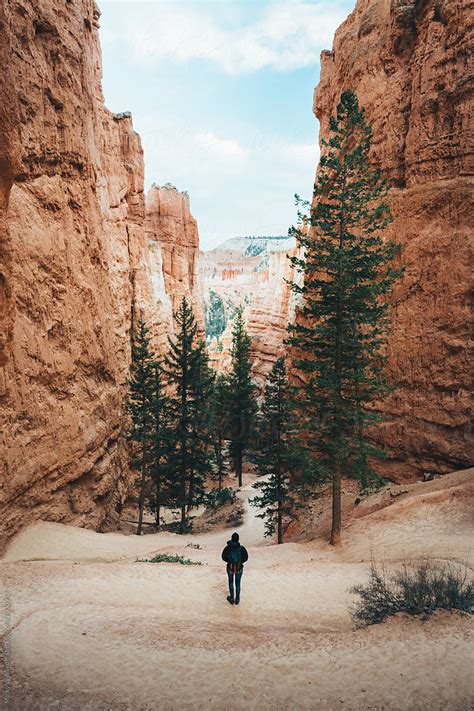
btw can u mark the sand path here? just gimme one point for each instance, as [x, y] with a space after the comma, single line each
[93, 629]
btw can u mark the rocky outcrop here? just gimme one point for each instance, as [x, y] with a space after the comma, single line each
[408, 62]
[253, 273]
[173, 243]
[72, 221]
[77, 267]
[272, 309]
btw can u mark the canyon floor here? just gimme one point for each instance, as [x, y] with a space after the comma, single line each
[91, 628]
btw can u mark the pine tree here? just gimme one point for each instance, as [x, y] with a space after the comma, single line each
[140, 410]
[279, 455]
[161, 441]
[215, 316]
[184, 366]
[202, 384]
[242, 404]
[219, 405]
[347, 277]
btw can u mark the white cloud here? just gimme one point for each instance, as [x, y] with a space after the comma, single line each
[236, 186]
[225, 148]
[284, 36]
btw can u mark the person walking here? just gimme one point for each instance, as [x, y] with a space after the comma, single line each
[235, 556]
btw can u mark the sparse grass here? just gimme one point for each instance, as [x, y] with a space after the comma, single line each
[167, 558]
[415, 589]
[196, 546]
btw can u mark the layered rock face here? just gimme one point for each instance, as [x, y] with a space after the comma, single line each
[257, 280]
[408, 62]
[72, 219]
[173, 244]
[78, 266]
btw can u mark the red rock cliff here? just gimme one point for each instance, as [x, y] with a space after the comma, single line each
[76, 269]
[173, 239]
[408, 62]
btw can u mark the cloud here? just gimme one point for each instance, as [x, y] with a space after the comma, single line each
[236, 186]
[282, 36]
[225, 148]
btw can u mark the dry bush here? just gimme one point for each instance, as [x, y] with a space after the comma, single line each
[418, 589]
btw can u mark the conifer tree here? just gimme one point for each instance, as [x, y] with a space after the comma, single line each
[202, 384]
[161, 441]
[219, 404]
[184, 367]
[279, 455]
[140, 410]
[242, 405]
[347, 276]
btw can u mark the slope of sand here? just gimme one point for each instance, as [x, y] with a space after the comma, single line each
[93, 629]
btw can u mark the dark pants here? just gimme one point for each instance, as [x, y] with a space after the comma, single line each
[237, 577]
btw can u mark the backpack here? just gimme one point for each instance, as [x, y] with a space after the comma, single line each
[235, 559]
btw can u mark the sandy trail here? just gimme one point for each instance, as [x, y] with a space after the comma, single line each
[93, 629]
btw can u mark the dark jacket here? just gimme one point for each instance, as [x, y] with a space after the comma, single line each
[227, 549]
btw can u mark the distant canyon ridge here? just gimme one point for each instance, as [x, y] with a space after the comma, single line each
[254, 273]
[84, 251]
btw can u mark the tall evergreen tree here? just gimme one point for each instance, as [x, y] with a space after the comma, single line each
[347, 276]
[202, 384]
[279, 455]
[219, 404]
[161, 441]
[184, 368]
[215, 316]
[242, 404]
[140, 410]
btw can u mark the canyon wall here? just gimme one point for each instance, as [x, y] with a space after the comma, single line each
[408, 62]
[258, 282]
[77, 267]
[173, 242]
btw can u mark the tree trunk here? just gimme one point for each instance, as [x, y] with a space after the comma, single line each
[190, 492]
[182, 524]
[336, 504]
[280, 522]
[141, 498]
[157, 507]
[238, 466]
[336, 477]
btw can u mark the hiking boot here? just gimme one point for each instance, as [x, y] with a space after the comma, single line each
[237, 600]
[230, 599]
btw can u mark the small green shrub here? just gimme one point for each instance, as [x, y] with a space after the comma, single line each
[219, 497]
[416, 590]
[167, 558]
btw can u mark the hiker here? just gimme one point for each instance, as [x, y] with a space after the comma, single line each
[235, 556]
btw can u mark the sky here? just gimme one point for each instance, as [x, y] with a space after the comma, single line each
[221, 94]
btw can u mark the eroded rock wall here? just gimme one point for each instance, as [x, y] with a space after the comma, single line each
[259, 283]
[173, 244]
[77, 268]
[408, 61]
[73, 213]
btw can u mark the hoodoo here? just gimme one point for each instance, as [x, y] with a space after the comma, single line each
[173, 232]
